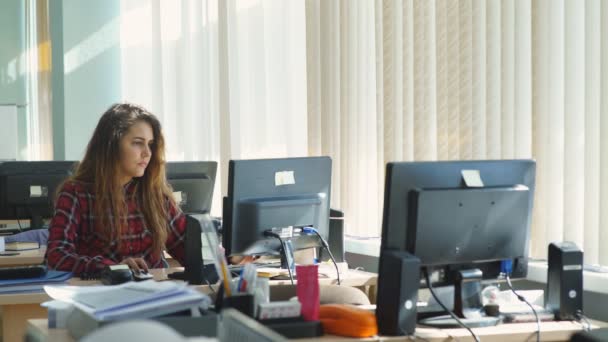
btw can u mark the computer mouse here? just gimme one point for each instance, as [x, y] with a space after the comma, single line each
[116, 274]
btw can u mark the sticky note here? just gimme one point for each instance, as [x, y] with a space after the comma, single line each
[35, 191]
[472, 178]
[177, 196]
[284, 178]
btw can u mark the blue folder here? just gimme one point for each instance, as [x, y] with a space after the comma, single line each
[34, 284]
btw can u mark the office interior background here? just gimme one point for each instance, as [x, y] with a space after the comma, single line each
[364, 82]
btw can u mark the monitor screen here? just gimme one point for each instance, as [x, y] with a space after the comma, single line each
[192, 184]
[278, 195]
[27, 189]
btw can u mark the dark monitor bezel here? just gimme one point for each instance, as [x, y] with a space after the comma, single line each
[253, 180]
[18, 202]
[404, 177]
[199, 181]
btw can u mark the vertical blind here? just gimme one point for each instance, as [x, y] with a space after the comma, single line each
[468, 79]
[372, 81]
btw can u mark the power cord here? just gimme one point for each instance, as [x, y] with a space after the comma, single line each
[506, 267]
[326, 246]
[270, 233]
[580, 317]
[523, 299]
[209, 285]
[428, 283]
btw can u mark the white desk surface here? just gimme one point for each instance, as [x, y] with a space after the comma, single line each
[550, 331]
[17, 309]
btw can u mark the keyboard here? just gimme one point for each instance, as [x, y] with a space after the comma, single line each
[22, 272]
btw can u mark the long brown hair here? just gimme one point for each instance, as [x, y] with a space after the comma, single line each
[99, 168]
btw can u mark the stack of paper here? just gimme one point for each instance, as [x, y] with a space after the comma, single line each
[28, 285]
[130, 300]
[21, 245]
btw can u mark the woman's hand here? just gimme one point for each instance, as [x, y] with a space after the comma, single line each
[136, 264]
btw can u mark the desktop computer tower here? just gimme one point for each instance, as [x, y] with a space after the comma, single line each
[398, 282]
[564, 294]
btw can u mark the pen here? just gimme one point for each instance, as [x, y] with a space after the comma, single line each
[223, 265]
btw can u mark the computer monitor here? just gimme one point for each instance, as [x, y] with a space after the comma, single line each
[457, 216]
[27, 189]
[279, 196]
[192, 183]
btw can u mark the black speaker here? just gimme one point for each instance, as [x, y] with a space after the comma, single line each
[398, 282]
[335, 240]
[195, 271]
[564, 295]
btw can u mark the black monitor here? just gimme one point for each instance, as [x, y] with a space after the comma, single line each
[279, 196]
[192, 184]
[27, 189]
[458, 216]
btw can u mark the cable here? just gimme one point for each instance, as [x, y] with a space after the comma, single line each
[581, 317]
[277, 236]
[326, 246]
[428, 283]
[521, 298]
[209, 284]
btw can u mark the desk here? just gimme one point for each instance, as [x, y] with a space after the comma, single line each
[18, 308]
[25, 258]
[550, 331]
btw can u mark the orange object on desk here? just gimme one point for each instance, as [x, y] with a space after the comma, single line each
[347, 320]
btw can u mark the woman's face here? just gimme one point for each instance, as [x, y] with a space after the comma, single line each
[135, 151]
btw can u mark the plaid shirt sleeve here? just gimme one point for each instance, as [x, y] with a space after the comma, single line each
[61, 253]
[177, 232]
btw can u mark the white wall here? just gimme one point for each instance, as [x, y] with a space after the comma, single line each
[89, 77]
[12, 66]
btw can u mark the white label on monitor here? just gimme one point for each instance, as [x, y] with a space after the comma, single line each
[35, 191]
[472, 178]
[286, 232]
[284, 178]
[177, 196]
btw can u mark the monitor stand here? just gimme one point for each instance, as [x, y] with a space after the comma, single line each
[467, 303]
[36, 222]
[446, 321]
[207, 274]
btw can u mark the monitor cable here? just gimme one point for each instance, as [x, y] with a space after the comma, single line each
[523, 299]
[428, 283]
[326, 246]
[209, 285]
[580, 317]
[270, 233]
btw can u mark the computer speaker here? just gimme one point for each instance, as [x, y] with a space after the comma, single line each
[335, 237]
[564, 295]
[398, 282]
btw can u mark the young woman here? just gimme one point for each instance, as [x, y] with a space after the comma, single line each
[117, 208]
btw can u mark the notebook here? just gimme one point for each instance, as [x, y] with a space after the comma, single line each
[21, 246]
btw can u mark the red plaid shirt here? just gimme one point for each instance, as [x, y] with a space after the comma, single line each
[75, 246]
